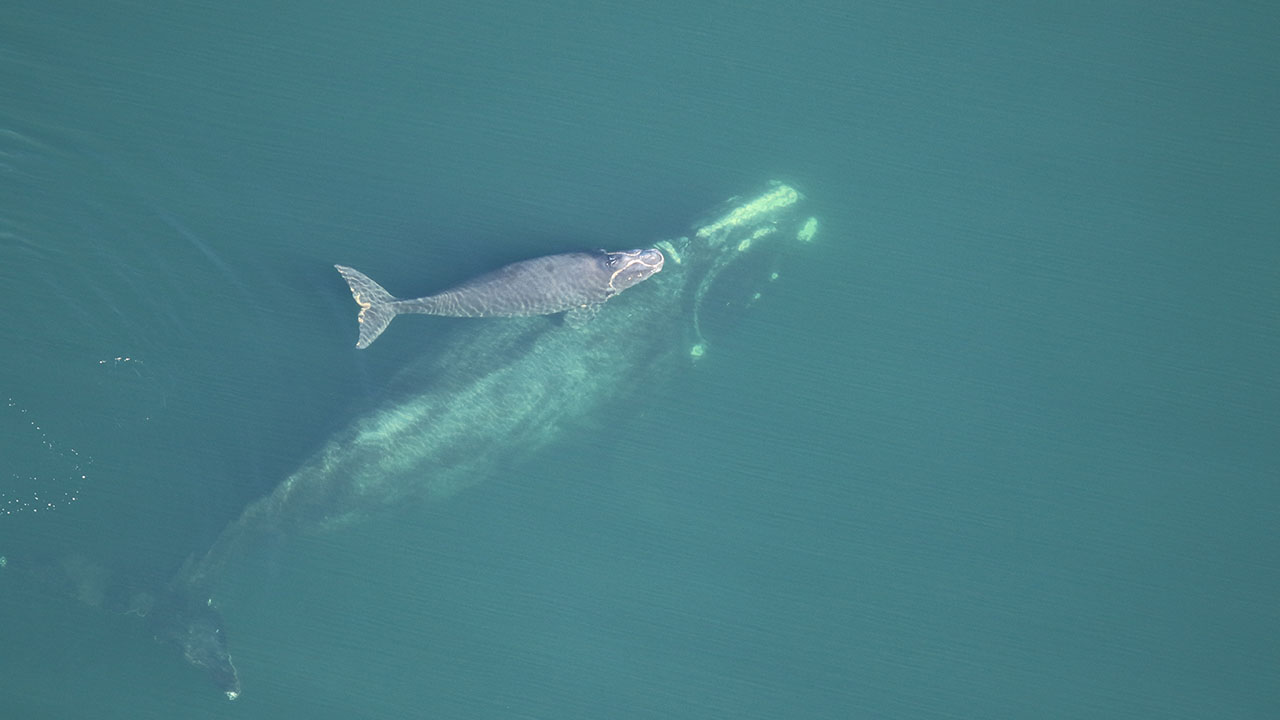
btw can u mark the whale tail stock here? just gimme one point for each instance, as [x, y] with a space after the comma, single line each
[376, 309]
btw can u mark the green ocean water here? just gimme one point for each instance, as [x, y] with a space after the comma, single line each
[1004, 441]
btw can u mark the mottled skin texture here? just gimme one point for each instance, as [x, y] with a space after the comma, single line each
[540, 286]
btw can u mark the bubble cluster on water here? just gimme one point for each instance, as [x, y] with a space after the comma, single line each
[43, 475]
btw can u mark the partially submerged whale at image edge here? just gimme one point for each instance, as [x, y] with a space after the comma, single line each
[493, 395]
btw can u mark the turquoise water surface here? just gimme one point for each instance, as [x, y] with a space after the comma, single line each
[1004, 441]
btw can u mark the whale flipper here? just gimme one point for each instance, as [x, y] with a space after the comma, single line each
[577, 318]
[376, 309]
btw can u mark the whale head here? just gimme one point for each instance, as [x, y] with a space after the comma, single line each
[630, 267]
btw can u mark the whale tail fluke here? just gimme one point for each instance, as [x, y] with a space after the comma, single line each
[376, 304]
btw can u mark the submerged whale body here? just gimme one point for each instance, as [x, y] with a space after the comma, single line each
[495, 393]
[194, 624]
[574, 282]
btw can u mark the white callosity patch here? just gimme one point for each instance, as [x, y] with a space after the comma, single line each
[808, 231]
[751, 214]
[669, 250]
[744, 228]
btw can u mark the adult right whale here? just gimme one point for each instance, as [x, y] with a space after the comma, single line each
[490, 398]
[578, 283]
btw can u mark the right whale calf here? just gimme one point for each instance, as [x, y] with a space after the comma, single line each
[576, 282]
